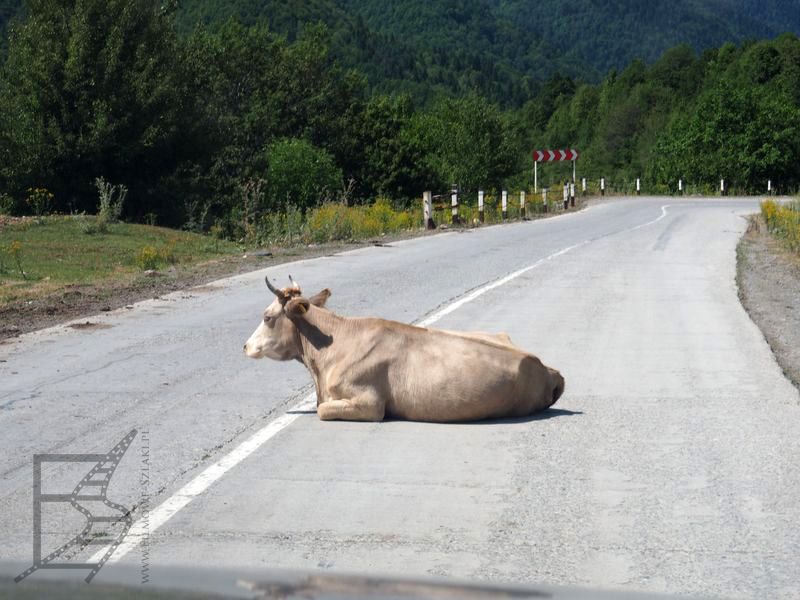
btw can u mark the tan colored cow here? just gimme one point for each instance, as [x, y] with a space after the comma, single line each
[368, 368]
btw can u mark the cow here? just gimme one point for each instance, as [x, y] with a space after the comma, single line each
[365, 369]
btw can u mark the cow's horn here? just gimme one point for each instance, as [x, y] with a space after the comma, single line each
[295, 285]
[273, 289]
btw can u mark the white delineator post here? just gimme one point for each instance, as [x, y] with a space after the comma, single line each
[535, 175]
[769, 186]
[504, 196]
[602, 186]
[522, 204]
[427, 210]
[566, 196]
[583, 185]
[544, 198]
[572, 195]
[722, 186]
[480, 206]
[454, 207]
[638, 187]
[680, 186]
[574, 172]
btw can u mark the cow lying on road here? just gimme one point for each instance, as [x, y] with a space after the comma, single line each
[368, 368]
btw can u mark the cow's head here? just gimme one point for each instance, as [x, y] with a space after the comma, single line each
[277, 336]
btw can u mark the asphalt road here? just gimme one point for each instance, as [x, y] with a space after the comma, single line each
[670, 463]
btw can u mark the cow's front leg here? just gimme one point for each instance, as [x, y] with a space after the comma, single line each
[361, 408]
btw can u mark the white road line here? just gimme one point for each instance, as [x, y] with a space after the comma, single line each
[141, 529]
[495, 284]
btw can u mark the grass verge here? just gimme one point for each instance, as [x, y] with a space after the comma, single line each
[58, 268]
[41, 256]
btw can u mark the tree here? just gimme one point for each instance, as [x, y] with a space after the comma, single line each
[92, 88]
[467, 142]
[392, 163]
[745, 135]
[255, 88]
[299, 174]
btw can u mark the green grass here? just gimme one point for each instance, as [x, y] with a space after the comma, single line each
[56, 251]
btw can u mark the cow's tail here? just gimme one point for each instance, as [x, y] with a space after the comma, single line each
[558, 385]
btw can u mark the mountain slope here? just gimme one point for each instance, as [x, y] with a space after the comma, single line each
[607, 34]
[429, 48]
[501, 49]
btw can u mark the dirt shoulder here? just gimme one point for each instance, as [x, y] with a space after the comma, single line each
[768, 277]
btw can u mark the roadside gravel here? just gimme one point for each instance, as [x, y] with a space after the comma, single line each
[769, 288]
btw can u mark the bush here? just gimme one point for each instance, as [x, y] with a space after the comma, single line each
[330, 222]
[300, 173]
[40, 200]
[783, 221]
[109, 209]
[7, 204]
[148, 259]
[335, 222]
[282, 227]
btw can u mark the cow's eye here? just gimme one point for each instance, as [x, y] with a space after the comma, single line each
[267, 319]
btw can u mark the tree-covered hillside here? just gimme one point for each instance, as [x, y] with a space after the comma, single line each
[610, 34]
[8, 9]
[501, 49]
[732, 113]
[208, 119]
[431, 48]
[585, 37]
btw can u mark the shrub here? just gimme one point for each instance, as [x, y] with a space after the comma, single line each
[148, 259]
[40, 200]
[282, 227]
[252, 194]
[7, 204]
[15, 250]
[330, 222]
[110, 210]
[217, 232]
[167, 253]
[783, 221]
[300, 173]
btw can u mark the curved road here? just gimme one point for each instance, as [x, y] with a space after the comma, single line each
[668, 465]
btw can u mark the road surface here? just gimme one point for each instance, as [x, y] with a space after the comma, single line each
[669, 465]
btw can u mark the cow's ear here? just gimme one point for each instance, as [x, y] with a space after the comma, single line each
[297, 307]
[321, 298]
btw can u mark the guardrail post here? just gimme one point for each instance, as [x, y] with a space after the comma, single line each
[572, 195]
[722, 187]
[602, 186]
[522, 204]
[566, 196]
[680, 187]
[769, 187]
[638, 187]
[544, 198]
[504, 196]
[583, 185]
[480, 206]
[427, 210]
[454, 206]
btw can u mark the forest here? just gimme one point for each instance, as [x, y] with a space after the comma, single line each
[194, 106]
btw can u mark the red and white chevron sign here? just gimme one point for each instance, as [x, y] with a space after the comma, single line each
[554, 155]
